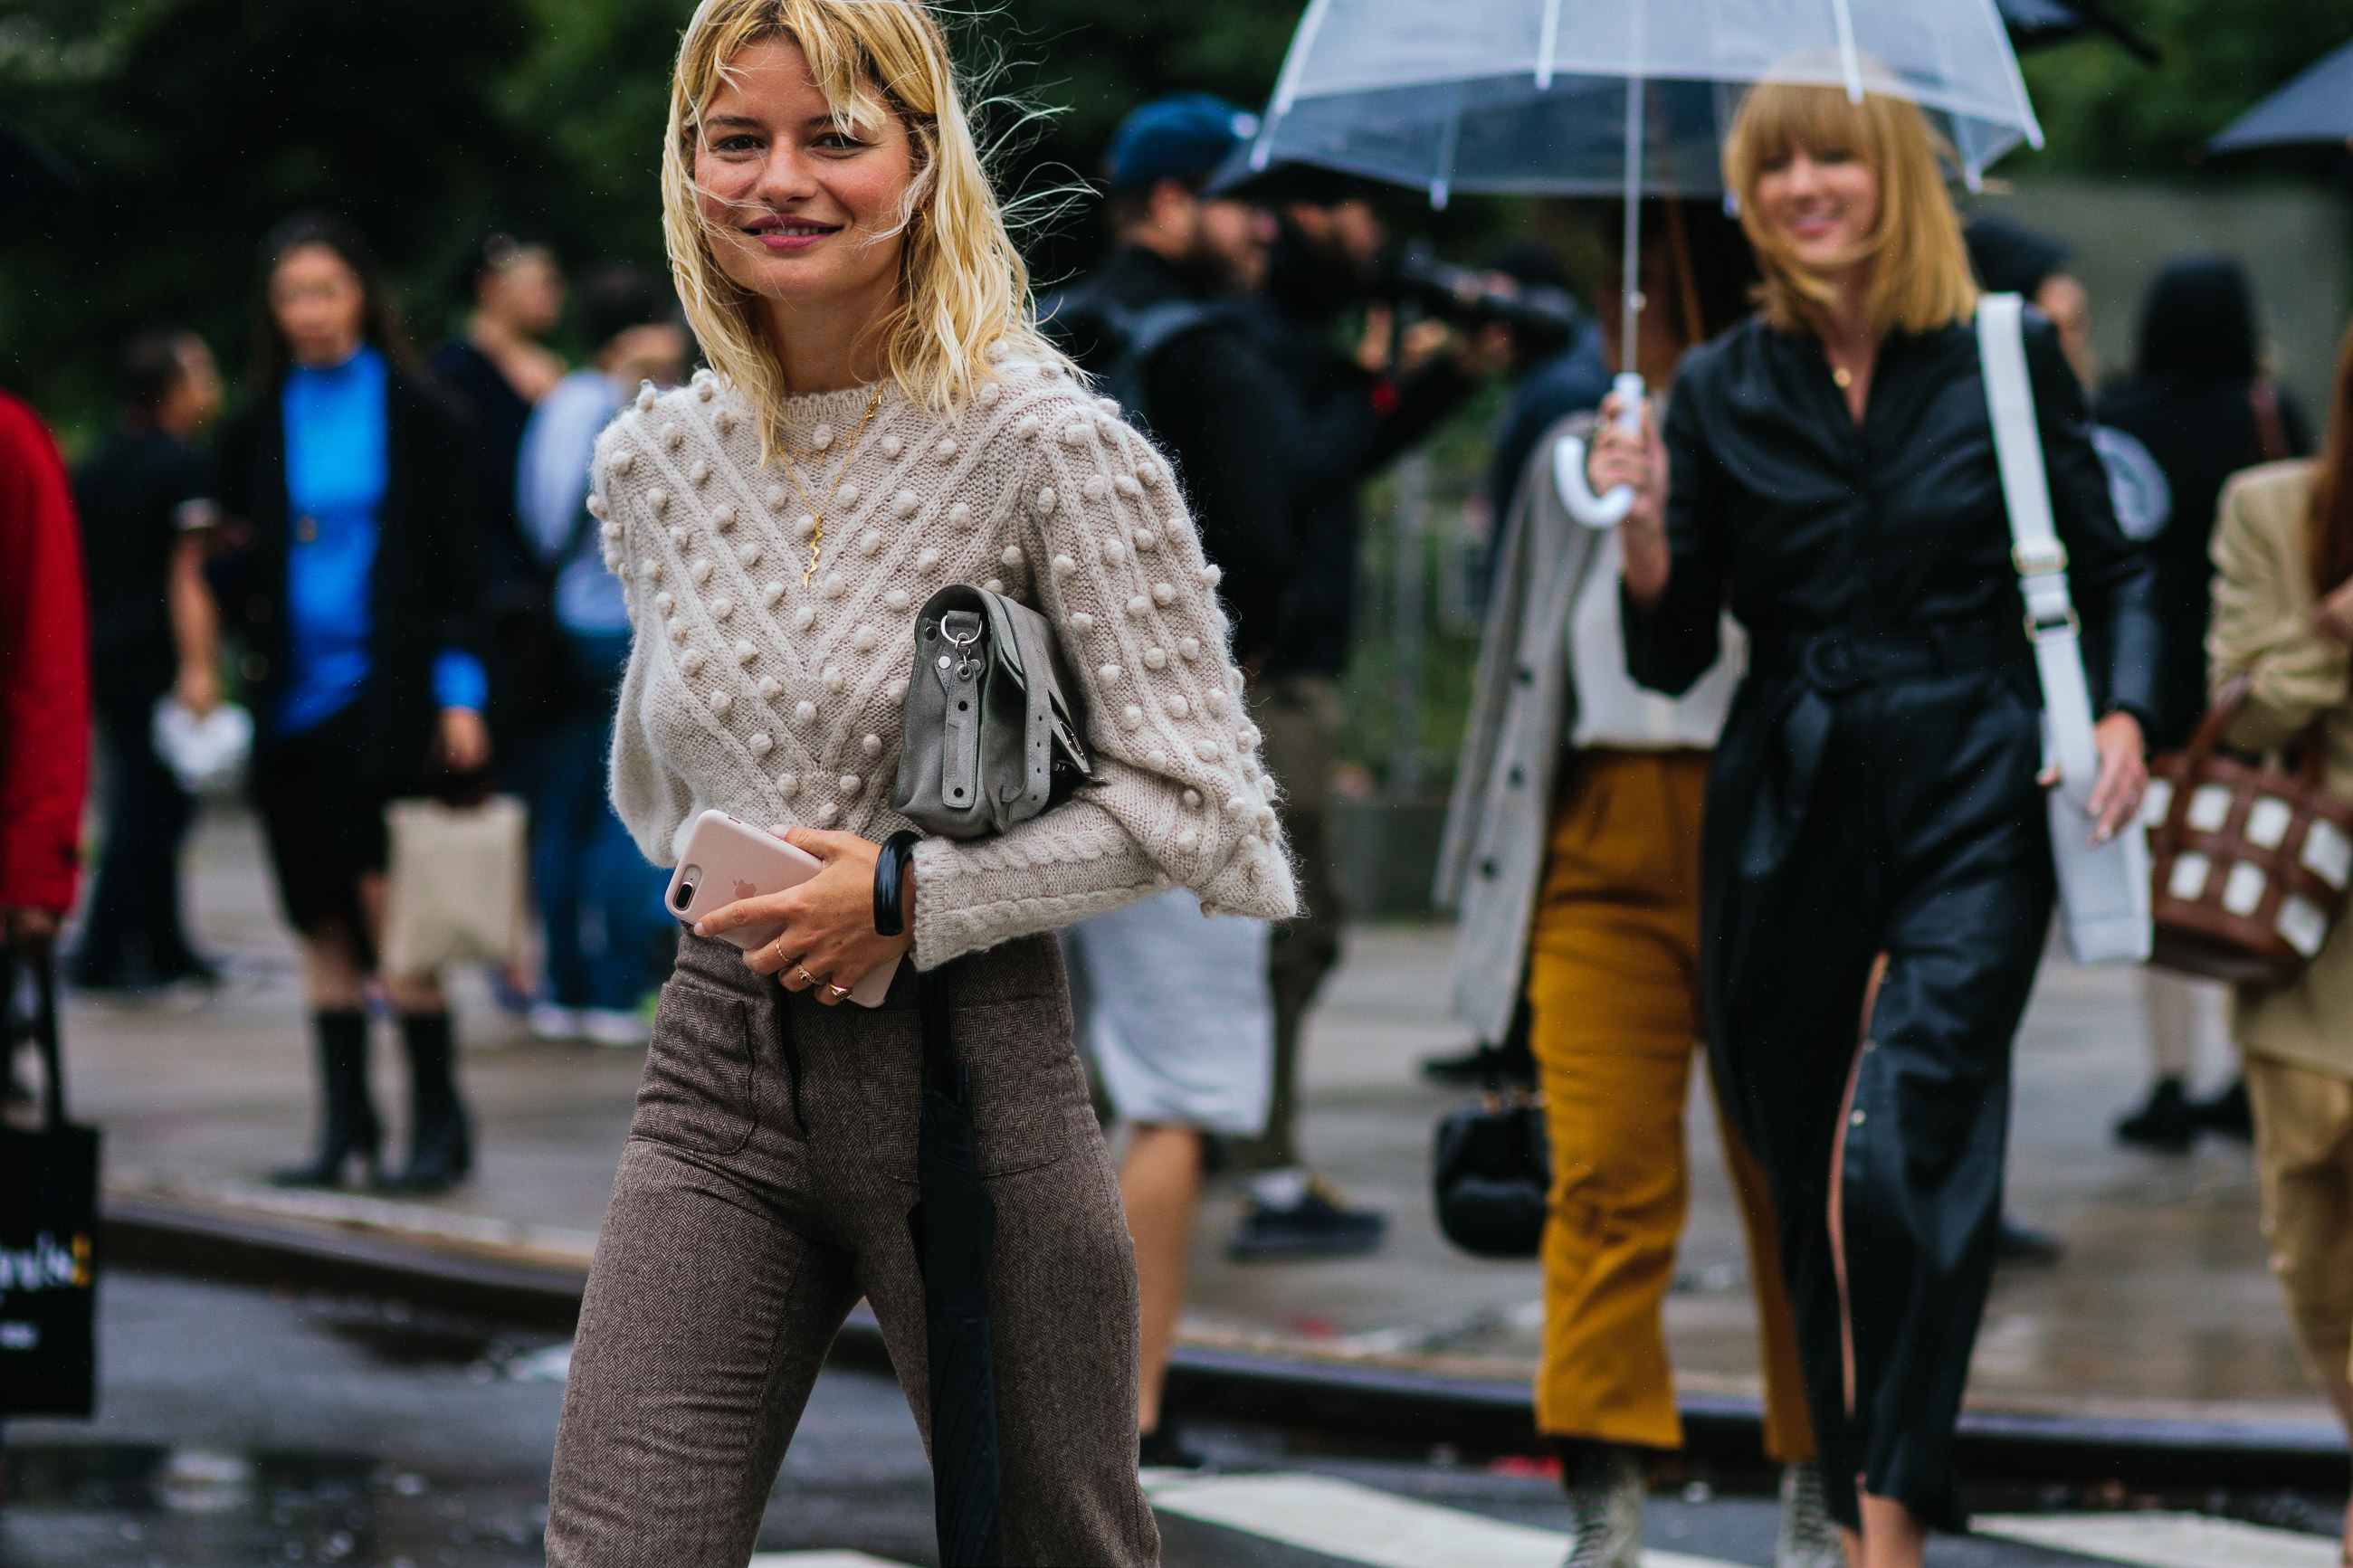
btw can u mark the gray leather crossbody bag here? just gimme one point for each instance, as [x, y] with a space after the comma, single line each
[992, 733]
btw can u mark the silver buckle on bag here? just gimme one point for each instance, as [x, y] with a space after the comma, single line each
[971, 625]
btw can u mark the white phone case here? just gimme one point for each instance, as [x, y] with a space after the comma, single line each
[727, 859]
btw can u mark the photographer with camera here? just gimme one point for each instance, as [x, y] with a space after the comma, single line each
[1430, 333]
[1174, 1010]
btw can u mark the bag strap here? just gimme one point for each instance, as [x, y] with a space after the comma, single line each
[942, 1073]
[42, 1026]
[2035, 550]
[2166, 838]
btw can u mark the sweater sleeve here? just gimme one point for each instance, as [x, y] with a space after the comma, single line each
[44, 669]
[2262, 608]
[1180, 796]
[648, 797]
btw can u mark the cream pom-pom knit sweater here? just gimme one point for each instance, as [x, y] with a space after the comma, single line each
[780, 704]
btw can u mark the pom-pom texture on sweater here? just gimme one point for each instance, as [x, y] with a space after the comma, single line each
[779, 703]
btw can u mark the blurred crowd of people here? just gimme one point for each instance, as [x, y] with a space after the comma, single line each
[389, 564]
[392, 563]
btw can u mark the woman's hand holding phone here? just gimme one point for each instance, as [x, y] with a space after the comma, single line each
[828, 936]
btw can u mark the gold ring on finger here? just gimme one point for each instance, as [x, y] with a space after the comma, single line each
[837, 992]
[806, 977]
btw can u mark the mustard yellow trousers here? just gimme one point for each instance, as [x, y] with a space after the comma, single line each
[1614, 986]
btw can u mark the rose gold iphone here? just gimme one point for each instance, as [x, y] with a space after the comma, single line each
[727, 861]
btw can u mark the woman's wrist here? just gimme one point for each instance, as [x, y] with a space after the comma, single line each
[893, 866]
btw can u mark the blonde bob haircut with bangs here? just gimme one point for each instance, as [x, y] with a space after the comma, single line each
[962, 287]
[1920, 277]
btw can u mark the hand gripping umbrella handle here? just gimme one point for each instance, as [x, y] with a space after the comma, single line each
[1568, 464]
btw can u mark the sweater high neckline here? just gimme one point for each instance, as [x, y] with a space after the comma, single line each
[803, 414]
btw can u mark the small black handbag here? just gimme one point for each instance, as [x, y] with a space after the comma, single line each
[49, 1224]
[1490, 1168]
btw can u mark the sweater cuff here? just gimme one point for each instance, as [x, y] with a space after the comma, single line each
[1042, 876]
[459, 681]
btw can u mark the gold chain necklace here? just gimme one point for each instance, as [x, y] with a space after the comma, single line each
[817, 511]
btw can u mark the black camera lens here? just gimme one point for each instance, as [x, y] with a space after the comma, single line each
[686, 886]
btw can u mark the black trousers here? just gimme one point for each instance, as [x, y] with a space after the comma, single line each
[134, 934]
[1923, 840]
[322, 818]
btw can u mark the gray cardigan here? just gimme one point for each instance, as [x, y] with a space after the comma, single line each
[1523, 709]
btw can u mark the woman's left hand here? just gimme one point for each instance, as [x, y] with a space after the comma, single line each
[828, 939]
[462, 741]
[2123, 776]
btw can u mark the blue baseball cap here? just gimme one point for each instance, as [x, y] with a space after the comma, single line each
[1184, 136]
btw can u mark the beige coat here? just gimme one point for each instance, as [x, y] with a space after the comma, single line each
[2263, 607]
[1523, 708]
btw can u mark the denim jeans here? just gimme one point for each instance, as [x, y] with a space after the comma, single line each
[599, 900]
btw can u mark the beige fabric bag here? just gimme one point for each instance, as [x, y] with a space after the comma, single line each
[458, 889]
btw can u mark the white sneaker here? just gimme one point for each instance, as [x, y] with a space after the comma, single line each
[549, 1021]
[1809, 1539]
[613, 1026]
[1605, 1509]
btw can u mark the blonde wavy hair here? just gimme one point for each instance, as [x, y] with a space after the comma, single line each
[963, 286]
[1920, 277]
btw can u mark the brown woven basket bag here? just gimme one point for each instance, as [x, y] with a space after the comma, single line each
[2249, 861]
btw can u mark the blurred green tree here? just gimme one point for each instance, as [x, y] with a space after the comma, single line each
[2103, 112]
[198, 123]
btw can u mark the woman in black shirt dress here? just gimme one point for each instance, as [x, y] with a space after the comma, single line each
[1876, 868]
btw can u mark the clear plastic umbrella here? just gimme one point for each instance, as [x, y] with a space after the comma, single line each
[1614, 97]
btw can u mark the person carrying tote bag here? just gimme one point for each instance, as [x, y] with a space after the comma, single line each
[353, 583]
[1876, 861]
[882, 421]
[2283, 626]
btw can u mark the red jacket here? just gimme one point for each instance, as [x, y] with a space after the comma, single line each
[44, 669]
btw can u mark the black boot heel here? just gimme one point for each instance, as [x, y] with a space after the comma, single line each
[348, 1129]
[441, 1141]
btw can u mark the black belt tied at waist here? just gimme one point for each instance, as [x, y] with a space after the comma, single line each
[1840, 659]
[1820, 667]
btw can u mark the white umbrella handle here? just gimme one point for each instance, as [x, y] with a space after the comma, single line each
[1568, 464]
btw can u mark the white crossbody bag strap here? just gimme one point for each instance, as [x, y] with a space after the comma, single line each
[2105, 887]
[2041, 560]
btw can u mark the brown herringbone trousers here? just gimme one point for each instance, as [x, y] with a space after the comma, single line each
[766, 1187]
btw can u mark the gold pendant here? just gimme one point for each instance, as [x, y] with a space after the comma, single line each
[1843, 376]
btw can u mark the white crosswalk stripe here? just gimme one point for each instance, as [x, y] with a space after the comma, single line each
[1340, 1519]
[1358, 1524]
[2163, 1539]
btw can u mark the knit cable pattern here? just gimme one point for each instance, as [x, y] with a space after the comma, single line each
[779, 703]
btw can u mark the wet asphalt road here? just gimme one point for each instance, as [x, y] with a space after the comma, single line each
[242, 1428]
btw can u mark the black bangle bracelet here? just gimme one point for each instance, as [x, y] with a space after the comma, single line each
[890, 876]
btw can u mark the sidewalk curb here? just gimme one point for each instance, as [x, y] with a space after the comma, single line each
[1359, 1401]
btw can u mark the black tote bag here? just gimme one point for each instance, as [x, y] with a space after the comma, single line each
[48, 1225]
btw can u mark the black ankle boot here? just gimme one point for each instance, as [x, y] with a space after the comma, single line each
[2167, 1123]
[441, 1144]
[348, 1127]
[2227, 1112]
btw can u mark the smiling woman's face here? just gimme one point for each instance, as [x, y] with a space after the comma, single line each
[799, 210]
[1824, 206]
